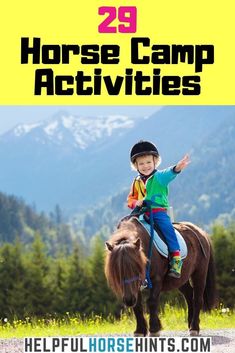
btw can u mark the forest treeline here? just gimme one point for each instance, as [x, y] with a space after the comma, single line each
[46, 268]
[21, 221]
[35, 283]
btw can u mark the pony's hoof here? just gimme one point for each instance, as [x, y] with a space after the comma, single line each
[194, 333]
[139, 335]
[154, 334]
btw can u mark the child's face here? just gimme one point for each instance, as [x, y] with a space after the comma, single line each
[145, 164]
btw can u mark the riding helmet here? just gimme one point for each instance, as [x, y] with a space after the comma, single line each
[141, 148]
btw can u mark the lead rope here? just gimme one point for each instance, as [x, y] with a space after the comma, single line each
[147, 282]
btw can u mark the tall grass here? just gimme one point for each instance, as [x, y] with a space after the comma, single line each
[172, 319]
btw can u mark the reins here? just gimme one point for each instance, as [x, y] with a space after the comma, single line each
[147, 206]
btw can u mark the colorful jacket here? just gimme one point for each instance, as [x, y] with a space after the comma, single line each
[155, 189]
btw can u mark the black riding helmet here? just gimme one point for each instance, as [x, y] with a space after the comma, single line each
[141, 148]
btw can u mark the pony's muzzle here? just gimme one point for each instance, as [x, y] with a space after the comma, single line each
[130, 300]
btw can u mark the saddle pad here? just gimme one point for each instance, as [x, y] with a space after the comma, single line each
[159, 244]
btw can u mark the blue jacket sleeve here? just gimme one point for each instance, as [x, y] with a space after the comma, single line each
[165, 176]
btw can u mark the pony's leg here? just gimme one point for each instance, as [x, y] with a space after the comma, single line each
[199, 280]
[187, 291]
[141, 324]
[153, 301]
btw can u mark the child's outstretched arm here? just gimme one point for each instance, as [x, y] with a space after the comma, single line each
[183, 163]
[165, 176]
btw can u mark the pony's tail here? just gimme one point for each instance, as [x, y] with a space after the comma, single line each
[210, 293]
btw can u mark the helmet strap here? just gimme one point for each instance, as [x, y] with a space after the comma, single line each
[146, 176]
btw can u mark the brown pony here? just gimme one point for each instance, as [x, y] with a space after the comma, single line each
[125, 268]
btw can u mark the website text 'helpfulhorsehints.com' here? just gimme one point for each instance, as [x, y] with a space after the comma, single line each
[117, 344]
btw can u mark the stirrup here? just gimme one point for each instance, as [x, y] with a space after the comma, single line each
[174, 274]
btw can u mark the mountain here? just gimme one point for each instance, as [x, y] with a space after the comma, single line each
[68, 132]
[202, 193]
[45, 162]
[206, 191]
[21, 222]
[78, 161]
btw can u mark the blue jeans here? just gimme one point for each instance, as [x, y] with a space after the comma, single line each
[163, 221]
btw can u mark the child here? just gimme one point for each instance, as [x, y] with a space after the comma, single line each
[152, 184]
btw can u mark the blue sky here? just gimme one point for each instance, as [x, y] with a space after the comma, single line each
[10, 116]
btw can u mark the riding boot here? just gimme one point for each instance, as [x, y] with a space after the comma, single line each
[175, 267]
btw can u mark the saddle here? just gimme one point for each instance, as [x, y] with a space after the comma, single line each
[159, 241]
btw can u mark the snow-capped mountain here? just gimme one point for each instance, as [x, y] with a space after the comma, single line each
[77, 161]
[74, 131]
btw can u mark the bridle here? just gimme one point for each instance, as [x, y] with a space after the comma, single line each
[144, 283]
[130, 280]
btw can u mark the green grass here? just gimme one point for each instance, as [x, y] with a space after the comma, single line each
[172, 319]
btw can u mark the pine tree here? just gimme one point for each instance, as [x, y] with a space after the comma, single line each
[103, 300]
[58, 281]
[17, 294]
[78, 296]
[38, 292]
[12, 274]
[58, 215]
[6, 279]
[224, 247]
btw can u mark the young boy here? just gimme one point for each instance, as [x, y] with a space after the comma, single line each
[152, 184]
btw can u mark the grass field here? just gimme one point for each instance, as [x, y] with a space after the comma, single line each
[172, 319]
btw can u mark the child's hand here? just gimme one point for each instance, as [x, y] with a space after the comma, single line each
[139, 203]
[183, 163]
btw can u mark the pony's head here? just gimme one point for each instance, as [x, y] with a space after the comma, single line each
[125, 264]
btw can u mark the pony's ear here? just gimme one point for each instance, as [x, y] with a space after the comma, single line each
[137, 243]
[109, 246]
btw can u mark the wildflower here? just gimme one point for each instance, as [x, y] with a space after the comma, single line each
[5, 320]
[225, 310]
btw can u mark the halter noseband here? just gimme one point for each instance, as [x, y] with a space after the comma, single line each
[130, 280]
[144, 283]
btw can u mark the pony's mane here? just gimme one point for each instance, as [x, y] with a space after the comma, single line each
[125, 261]
[127, 231]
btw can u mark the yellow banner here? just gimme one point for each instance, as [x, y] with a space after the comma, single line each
[117, 52]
